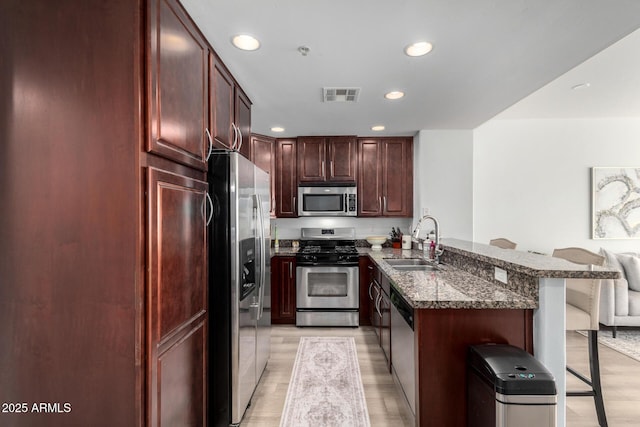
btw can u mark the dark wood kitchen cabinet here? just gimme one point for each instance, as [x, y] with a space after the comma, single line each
[283, 290]
[365, 272]
[286, 182]
[178, 86]
[385, 177]
[176, 298]
[230, 109]
[327, 159]
[262, 153]
[103, 255]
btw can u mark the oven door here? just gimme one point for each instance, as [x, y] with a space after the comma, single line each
[327, 287]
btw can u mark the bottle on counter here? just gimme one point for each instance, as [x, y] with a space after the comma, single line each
[432, 250]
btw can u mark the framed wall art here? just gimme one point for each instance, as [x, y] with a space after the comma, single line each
[616, 202]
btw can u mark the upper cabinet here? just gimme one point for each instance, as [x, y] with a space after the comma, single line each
[286, 178]
[178, 83]
[327, 159]
[385, 177]
[262, 153]
[230, 111]
[243, 122]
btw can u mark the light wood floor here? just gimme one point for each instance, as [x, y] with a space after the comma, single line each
[620, 378]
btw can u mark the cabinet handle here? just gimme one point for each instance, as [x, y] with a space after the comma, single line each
[380, 204]
[370, 267]
[378, 301]
[210, 144]
[290, 270]
[294, 209]
[241, 140]
[210, 206]
[370, 286]
[324, 174]
[384, 204]
[333, 173]
[235, 136]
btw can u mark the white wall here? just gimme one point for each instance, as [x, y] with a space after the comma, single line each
[443, 180]
[532, 179]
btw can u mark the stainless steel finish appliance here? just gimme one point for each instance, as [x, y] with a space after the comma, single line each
[327, 200]
[327, 282]
[239, 284]
[402, 354]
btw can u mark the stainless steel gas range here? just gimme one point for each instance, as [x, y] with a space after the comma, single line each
[327, 278]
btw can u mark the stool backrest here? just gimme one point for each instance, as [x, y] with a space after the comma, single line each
[503, 243]
[583, 294]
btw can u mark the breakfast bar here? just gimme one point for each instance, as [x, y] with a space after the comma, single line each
[477, 294]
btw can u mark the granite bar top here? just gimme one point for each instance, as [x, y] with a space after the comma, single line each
[447, 287]
[531, 264]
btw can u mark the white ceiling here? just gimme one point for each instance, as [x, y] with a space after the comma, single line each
[487, 56]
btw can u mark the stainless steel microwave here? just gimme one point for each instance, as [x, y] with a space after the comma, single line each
[327, 201]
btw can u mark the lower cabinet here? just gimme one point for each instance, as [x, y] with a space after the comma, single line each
[283, 290]
[176, 300]
[365, 267]
[385, 323]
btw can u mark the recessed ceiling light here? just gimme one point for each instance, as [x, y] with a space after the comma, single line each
[395, 94]
[245, 42]
[377, 128]
[277, 129]
[418, 49]
[581, 86]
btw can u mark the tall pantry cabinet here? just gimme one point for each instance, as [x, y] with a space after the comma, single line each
[104, 133]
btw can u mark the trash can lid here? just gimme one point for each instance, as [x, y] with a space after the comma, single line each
[511, 370]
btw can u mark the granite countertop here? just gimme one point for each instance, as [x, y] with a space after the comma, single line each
[531, 264]
[447, 287]
[284, 251]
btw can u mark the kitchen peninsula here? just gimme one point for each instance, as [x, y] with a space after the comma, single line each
[461, 303]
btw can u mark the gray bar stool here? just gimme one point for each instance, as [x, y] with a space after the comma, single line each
[583, 302]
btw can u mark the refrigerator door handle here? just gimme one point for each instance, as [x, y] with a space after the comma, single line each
[261, 241]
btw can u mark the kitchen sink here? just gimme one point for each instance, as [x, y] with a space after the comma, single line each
[411, 264]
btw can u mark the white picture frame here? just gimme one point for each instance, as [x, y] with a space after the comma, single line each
[616, 202]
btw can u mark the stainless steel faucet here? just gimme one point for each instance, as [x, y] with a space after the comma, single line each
[416, 232]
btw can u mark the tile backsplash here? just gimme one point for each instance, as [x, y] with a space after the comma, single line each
[289, 228]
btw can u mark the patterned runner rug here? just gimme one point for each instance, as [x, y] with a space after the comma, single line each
[325, 388]
[627, 341]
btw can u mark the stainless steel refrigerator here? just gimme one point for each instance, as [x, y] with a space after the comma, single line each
[239, 284]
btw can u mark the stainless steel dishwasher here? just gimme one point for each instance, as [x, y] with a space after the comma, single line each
[402, 343]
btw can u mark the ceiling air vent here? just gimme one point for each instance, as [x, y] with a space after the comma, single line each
[340, 94]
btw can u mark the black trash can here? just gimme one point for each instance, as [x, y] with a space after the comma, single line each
[508, 387]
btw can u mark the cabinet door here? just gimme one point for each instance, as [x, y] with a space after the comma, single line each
[397, 177]
[365, 273]
[178, 67]
[222, 104]
[341, 159]
[286, 178]
[311, 159]
[369, 177]
[176, 300]
[243, 122]
[283, 290]
[263, 155]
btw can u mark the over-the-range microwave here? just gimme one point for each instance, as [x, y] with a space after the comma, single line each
[327, 200]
